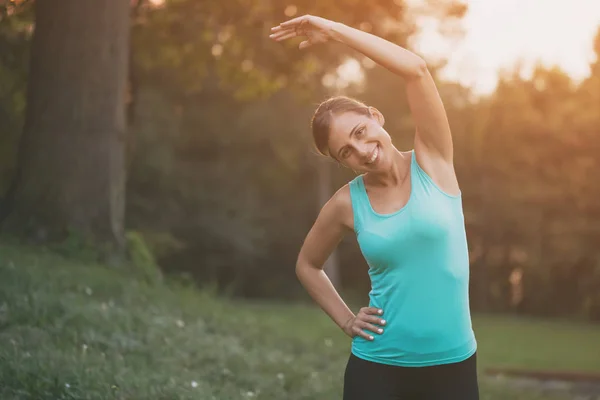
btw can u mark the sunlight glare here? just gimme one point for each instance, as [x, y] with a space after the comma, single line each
[290, 10]
[217, 50]
[350, 71]
[501, 33]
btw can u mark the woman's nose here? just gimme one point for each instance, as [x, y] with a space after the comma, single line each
[363, 150]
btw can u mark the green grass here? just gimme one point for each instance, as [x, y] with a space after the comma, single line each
[538, 344]
[73, 331]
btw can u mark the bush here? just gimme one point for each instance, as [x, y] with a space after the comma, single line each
[142, 258]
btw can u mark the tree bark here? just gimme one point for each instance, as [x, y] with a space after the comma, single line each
[71, 171]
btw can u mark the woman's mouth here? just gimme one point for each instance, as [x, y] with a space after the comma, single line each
[374, 156]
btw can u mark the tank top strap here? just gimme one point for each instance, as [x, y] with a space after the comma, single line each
[418, 177]
[359, 201]
[421, 182]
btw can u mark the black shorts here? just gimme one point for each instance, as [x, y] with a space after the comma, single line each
[367, 380]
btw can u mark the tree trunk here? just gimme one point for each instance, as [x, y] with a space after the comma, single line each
[331, 265]
[71, 171]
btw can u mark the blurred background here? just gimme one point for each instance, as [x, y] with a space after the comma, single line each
[176, 133]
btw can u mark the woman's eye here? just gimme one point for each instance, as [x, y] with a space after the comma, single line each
[360, 131]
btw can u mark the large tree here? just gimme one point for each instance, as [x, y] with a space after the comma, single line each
[71, 171]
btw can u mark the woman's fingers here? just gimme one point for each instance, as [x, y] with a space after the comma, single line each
[300, 26]
[360, 328]
[375, 310]
[371, 310]
[374, 320]
[280, 33]
[294, 21]
[361, 333]
[367, 320]
[287, 34]
[370, 327]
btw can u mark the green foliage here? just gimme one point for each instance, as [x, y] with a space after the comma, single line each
[79, 247]
[161, 244]
[85, 331]
[142, 259]
[231, 38]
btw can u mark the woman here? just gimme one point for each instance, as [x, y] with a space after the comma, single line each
[415, 340]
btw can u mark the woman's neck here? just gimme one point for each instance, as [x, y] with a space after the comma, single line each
[395, 175]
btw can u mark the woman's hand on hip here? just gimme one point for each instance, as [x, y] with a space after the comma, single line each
[366, 319]
[316, 29]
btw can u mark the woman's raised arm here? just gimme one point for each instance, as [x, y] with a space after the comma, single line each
[433, 135]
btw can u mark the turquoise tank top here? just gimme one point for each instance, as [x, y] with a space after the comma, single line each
[419, 269]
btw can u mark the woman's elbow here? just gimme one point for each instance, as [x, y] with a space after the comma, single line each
[418, 70]
[302, 266]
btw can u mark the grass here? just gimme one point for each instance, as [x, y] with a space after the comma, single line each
[538, 343]
[73, 331]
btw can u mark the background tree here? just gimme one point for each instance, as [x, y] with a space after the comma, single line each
[70, 174]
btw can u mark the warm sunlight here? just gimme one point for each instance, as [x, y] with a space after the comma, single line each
[500, 33]
[282, 199]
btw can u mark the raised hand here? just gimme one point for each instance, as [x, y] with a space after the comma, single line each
[365, 319]
[316, 29]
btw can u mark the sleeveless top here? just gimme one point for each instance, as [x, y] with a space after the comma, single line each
[419, 269]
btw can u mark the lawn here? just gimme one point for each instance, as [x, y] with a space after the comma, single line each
[71, 330]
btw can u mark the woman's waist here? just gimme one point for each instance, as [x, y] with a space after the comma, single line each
[399, 351]
[430, 316]
[422, 330]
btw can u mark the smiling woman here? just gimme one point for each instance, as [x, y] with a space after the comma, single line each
[405, 209]
[322, 119]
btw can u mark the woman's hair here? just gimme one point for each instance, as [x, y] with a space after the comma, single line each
[321, 120]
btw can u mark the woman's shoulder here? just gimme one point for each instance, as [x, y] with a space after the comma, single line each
[341, 198]
[341, 204]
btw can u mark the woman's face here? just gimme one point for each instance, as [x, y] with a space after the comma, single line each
[359, 141]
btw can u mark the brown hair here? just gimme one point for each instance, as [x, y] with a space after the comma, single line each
[324, 113]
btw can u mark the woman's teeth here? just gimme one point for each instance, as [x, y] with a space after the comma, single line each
[373, 156]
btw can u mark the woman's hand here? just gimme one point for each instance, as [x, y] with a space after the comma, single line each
[316, 29]
[365, 319]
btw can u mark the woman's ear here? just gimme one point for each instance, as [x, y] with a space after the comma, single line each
[377, 115]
